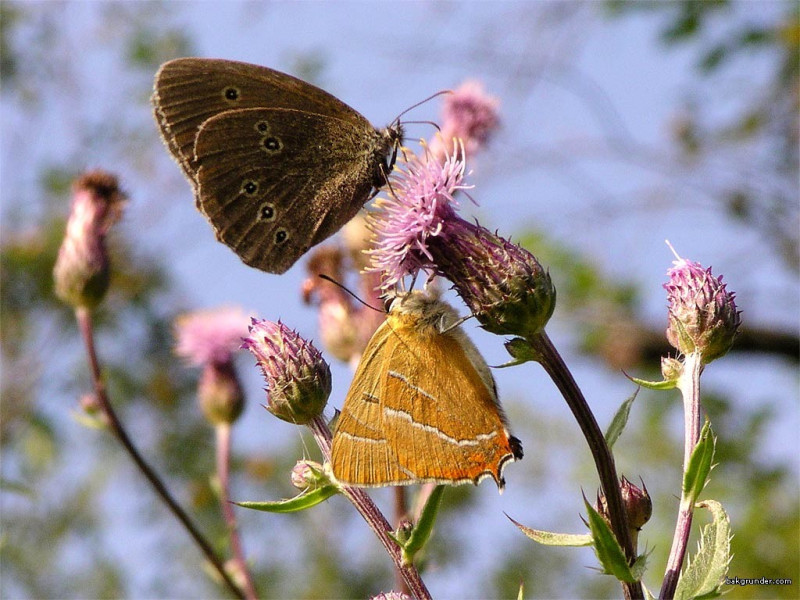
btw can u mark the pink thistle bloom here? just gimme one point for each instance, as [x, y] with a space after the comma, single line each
[210, 336]
[420, 205]
[82, 269]
[469, 114]
[702, 314]
[298, 378]
[418, 229]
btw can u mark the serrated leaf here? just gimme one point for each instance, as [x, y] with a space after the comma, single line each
[619, 421]
[298, 503]
[424, 527]
[549, 538]
[606, 547]
[696, 475]
[654, 385]
[705, 572]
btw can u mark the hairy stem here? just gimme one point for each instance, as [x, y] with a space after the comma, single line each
[373, 516]
[223, 433]
[689, 385]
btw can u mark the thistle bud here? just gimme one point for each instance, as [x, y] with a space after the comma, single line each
[82, 269]
[309, 474]
[298, 379]
[637, 503]
[220, 393]
[702, 314]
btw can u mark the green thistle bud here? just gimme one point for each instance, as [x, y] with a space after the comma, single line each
[298, 379]
[702, 313]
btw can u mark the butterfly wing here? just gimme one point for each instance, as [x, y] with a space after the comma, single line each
[360, 454]
[441, 421]
[189, 91]
[260, 182]
[419, 411]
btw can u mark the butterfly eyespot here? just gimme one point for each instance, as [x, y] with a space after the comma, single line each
[262, 127]
[266, 212]
[231, 94]
[249, 187]
[272, 144]
[281, 236]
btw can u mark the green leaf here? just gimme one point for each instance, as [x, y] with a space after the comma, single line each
[548, 538]
[608, 550]
[696, 475]
[620, 420]
[654, 385]
[705, 572]
[521, 351]
[298, 503]
[424, 527]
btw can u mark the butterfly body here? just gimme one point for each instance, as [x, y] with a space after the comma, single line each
[423, 405]
[277, 165]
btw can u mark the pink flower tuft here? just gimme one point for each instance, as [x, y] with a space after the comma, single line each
[210, 336]
[420, 205]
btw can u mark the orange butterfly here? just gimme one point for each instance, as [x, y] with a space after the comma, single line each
[423, 405]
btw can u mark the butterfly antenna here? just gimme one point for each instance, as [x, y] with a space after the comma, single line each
[420, 103]
[336, 283]
[432, 123]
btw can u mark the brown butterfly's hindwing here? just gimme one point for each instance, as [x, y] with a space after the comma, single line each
[277, 164]
[259, 184]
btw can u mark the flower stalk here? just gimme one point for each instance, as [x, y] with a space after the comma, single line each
[553, 364]
[84, 318]
[689, 385]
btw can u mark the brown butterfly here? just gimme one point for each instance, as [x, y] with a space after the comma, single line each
[423, 405]
[277, 164]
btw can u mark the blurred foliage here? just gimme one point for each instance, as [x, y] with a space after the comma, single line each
[62, 483]
[764, 129]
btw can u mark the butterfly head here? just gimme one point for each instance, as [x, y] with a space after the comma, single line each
[425, 309]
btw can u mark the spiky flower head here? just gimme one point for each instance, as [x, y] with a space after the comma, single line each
[702, 314]
[82, 269]
[298, 378]
[418, 229]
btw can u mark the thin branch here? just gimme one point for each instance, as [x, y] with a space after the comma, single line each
[84, 318]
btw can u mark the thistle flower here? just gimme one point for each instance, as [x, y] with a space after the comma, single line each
[208, 339]
[468, 114]
[298, 379]
[702, 314]
[205, 336]
[82, 269]
[418, 229]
